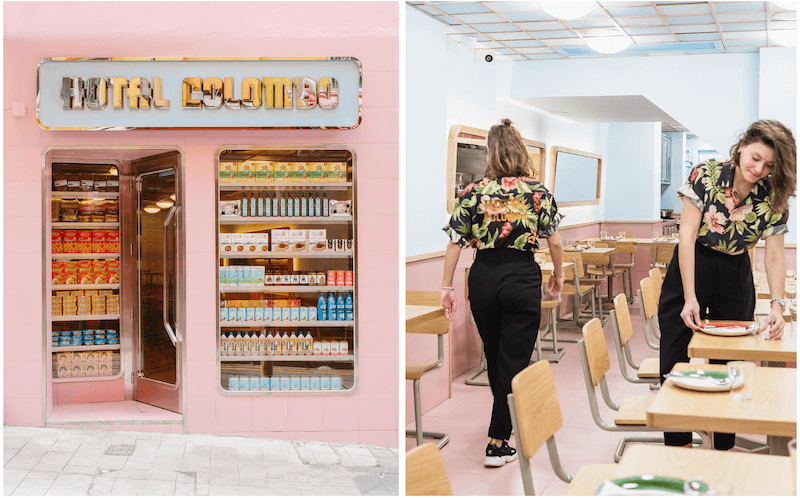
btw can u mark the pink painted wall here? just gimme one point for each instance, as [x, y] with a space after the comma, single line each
[367, 31]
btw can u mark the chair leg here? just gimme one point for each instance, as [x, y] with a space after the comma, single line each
[470, 380]
[418, 432]
[634, 439]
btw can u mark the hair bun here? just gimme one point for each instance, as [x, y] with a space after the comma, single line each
[505, 122]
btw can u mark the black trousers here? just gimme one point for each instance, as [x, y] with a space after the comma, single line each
[505, 295]
[724, 289]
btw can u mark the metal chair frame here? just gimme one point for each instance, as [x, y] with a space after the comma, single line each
[417, 432]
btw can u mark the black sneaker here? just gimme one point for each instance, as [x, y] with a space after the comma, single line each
[497, 457]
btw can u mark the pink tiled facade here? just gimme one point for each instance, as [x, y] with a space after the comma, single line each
[369, 415]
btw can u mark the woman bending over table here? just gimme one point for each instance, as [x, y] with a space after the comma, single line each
[727, 207]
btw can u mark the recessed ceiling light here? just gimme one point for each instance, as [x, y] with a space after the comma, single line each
[152, 209]
[788, 5]
[568, 10]
[165, 203]
[785, 16]
[784, 38]
[611, 43]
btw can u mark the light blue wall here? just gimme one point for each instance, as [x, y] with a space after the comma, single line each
[669, 199]
[633, 172]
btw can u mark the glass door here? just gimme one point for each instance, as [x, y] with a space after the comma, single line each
[160, 337]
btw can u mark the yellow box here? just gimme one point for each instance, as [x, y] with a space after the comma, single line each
[247, 172]
[300, 172]
[76, 293]
[318, 172]
[228, 171]
[64, 371]
[338, 172]
[62, 293]
[78, 370]
[90, 293]
[283, 172]
[265, 171]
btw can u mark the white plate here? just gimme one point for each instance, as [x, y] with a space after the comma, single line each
[731, 331]
[703, 384]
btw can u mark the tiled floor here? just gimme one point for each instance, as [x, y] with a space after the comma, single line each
[116, 412]
[580, 441]
[58, 461]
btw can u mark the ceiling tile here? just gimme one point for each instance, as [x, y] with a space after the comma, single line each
[624, 4]
[523, 43]
[465, 38]
[462, 29]
[751, 26]
[657, 30]
[477, 18]
[461, 8]
[504, 51]
[641, 21]
[546, 56]
[448, 20]
[539, 50]
[518, 35]
[555, 34]
[699, 37]
[756, 16]
[746, 35]
[515, 6]
[704, 28]
[632, 11]
[596, 32]
[689, 20]
[654, 39]
[590, 23]
[516, 57]
[490, 45]
[541, 25]
[564, 42]
[684, 9]
[491, 28]
[746, 43]
[739, 6]
[783, 25]
[429, 9]
[742, 49]
[528, 16]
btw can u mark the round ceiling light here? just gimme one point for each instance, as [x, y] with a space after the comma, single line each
[152, 209]
[784, 37]
[610, 44]
[787, 5]
[568, 10]
[165, 203]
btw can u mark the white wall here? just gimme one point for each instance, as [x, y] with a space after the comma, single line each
[633, 175]
[669, 198]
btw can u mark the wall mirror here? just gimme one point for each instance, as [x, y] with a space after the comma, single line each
[466, 159]
[574, 178]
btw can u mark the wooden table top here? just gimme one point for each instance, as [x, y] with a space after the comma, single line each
[749, 474]
[416, 314]
[763, 307]
[746, 347]
[772, 411]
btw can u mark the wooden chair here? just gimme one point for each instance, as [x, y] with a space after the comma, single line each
[627, 268]
[576, 286]
[649, 370]
[661, 255]
[600, 268]
[631, 414]
[425, 472]
[657, 280]
[414, 372]
[648, 307]
[535, 417]
[550, 309]
[612, 269]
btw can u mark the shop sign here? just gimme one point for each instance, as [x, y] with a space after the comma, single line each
[132, 93]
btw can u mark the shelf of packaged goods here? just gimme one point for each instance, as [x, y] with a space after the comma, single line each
[86, 255]
[225, 324]
[84, 318]
[85, 287]
[56, 380]
[291, 220]
[75, 225]
[285, 254]
[300, 289]
[309, 358]
[107, 347]
[65, 194]
[224, 186]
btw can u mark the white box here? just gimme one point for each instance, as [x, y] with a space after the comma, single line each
[249, 242]
[318, 240]
[237, 241]
[262, 242]
[298, 240]
[225, 242]
[280, 240]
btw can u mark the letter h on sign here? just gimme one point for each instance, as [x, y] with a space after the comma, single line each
[72, 93]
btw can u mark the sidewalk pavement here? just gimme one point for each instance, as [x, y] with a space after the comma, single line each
[68, 462]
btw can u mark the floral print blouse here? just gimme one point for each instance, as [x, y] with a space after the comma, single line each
[730, 225]
[509, 212]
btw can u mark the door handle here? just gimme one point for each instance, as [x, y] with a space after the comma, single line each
[165, 285]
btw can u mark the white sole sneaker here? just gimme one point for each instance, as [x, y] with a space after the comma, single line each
[498, 461]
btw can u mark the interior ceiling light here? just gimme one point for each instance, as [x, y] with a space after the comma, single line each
[785, 16]
[113, 171]
[568, 10]
[165, 203]
[173, 197]
[787, 5]
[152, 209]
[784, 37]
[611, 43]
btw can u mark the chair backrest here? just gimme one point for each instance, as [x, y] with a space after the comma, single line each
[626, 248]
[596, 351]
[425, 472]
[648, 296]
[661, 252]
[424, 298]
[595, 259]
[623, 315]
[658, 280]
[604, 244]
[577, 257]
[536, 405]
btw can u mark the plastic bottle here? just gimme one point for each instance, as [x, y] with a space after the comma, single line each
[285, 343]
[283, 204]
[262, 344]
[309, 343]
[296, 204]
[325, 205]
[292, 346]
[274, 202]
[261, 204]
[244, 210]
[331, 307]
[348, 307]
[269, 344]
[253, 205]
[340, 307]
[322, 309]
[223, 345]
[317, 206]
[303, 205]
[237, 341]
[246, 344]
[289, 205]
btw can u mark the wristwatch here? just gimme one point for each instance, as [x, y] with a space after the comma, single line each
[782, 302]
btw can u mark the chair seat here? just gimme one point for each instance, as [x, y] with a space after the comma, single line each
[548, 305]
[592, 270]
[416, 371]
[633, 410]
[569, 290]
[624, 265]
[589, 478]
[649, 368]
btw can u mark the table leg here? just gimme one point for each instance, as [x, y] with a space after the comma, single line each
[778, 445]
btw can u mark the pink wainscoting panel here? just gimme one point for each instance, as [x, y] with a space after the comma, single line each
[22, 164]
[271, 413]
[201, 379]
[305, 414]
[234, 414]
[200, 417]
[339, 413]
[378, 411]
[22, 412]
[70, 393]
[387, 439]
[101, 391]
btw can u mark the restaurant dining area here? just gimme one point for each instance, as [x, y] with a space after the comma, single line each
[625, 151]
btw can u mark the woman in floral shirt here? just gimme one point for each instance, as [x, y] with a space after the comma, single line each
[502, 216]
[727, 208]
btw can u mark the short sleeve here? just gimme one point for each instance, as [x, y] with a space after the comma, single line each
[459, 228]
[549, 217]
[777, 226]
[695, 187]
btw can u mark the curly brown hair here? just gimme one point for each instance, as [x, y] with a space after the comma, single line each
[783, 179]
[507, 154]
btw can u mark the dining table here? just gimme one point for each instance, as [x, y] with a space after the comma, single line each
[727, 472]
[744, 347]
[771, 412]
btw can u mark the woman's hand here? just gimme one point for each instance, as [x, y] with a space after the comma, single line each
[691, 313]
[555, 285]
[448, 302]
[776, 322]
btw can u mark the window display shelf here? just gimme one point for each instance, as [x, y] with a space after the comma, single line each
[84, 318]
[85, 287]
[65, 194]
[225, 324]
[282, 358]
[285, 186]
[107, 347]
[76, 225]
[57, 380]
[285, 254]
[86, 255]
[300, 289]
[293, 220]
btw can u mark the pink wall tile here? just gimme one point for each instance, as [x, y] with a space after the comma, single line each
[377, 340]
[305, 414]
[201, 305]
[339, 413]
[19, 274]
[199, 228]
[387, 439]
[377, 161]
[22, 164]
[201, 343]
[377, 269]
[342, 437]
[201, 273]
[17, 200]
[378, 411]
[102, 391]
[381, 86]
[374, 307]
[379, 233]
[30, 351]
[27, 412]
[24, 380]
[199, 415]
[378, 376]
[201, 380]
[379, 194]
[22, 235]
[270, 413]
[21, 131]
[234, 414]
[73, 393]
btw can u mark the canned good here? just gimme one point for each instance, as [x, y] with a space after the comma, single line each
[321, 278]
[304, 278]
[294, 278]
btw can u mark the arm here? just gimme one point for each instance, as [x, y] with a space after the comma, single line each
[448, 299]
[557, 255]
[775, 263]
[690, 224]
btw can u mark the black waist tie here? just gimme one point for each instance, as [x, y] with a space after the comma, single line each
[503, 255]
